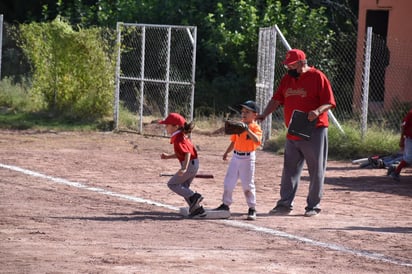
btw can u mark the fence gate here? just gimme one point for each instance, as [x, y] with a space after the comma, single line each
[155, 75]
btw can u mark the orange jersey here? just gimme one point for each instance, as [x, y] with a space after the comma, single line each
[243, 142]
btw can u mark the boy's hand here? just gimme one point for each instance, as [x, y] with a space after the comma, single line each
[225, 156]
[181, 172]
[260, 118]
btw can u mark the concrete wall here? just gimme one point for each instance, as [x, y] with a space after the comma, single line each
[398, 77]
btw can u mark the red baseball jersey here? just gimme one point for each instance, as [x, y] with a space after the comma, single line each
[183, 145]
[311, 90]
[407, 124]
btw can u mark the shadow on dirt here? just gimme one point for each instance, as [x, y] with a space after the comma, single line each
[396, 229]
[127, 217]
[379, 183]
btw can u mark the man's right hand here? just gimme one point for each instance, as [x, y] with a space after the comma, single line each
[260, 117]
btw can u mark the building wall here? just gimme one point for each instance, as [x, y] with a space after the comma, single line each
[398, 77]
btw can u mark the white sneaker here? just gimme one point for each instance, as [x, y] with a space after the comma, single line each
[251, 215]
[311, 212]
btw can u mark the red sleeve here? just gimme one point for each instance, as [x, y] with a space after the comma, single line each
[309, 92]
[407, 124]
[182, 146]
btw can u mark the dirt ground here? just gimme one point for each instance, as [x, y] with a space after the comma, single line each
[95, 203]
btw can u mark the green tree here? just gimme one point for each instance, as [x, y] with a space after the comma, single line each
[234, 28]
[227, 34]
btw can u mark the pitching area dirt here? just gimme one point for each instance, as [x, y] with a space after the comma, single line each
[94, 203]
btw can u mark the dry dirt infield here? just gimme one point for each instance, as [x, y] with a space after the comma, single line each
[94, 203]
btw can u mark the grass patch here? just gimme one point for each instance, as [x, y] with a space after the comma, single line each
[350, 145]
[15, 97]
[20, 111]
[209, 124]
[346, 146]
[43, 121]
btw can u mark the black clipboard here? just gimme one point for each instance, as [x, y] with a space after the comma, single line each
[300, 125]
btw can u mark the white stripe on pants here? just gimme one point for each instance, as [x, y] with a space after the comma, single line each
[243, 168]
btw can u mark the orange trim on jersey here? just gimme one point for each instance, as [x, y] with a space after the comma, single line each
[242, 141]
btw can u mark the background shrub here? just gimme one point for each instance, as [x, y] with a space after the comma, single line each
[72, 69]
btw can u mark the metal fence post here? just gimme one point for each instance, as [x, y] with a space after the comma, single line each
[1, 39]
[117, 82]
[365, 86]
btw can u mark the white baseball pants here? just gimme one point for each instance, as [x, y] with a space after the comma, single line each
[243, 168]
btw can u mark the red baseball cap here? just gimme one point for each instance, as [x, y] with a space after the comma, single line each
[174, 119]
[293, 56]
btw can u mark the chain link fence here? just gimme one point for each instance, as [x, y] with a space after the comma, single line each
[370, 83]
[14, 64]
[265, 75]
[155, 75]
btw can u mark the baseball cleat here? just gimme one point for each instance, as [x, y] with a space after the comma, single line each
[222, 207]
[251, 215]
[195, 200]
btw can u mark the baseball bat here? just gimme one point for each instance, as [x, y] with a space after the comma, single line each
[233, 109]
[360, 161]
[204, 176]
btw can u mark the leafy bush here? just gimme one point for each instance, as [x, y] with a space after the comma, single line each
[73, 70]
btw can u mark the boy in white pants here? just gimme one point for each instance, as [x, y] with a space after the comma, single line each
[242, 164]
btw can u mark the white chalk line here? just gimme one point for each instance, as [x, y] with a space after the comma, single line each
[83, 186]
[233, 223]
[360, 253]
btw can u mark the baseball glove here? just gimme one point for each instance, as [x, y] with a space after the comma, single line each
[234, 127]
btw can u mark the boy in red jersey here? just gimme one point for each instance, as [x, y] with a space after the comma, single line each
[306, 89]
[185, 152]
[405, 143]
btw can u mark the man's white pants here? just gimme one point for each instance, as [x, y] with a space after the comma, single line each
[241, 167]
